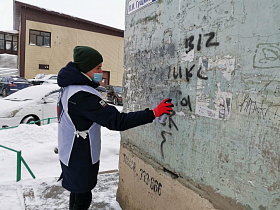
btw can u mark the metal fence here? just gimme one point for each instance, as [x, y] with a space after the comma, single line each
[48, 119]
[19, 157]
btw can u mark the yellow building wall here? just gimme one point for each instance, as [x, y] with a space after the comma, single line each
[63, 41]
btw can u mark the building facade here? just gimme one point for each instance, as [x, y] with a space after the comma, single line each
[47, 39]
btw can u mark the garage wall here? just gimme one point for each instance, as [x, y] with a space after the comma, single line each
[63, 41]
[219, 62]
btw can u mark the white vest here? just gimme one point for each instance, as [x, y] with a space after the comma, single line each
[67, 131]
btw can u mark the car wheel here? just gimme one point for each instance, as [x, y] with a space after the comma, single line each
[115, 101]
[28, 119]
[4, 93]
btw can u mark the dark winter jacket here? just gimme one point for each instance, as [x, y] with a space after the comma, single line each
[84, 109]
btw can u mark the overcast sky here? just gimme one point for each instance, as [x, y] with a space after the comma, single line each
[107, 12]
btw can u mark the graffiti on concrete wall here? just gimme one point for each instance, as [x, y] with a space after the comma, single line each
[153, 184]
[167, 134]
[267, 56]
[222, 100]
[177, 73]
[189, 45]
[184, 71]
[261, 109]
[129, 162]
[144, 176]
[220, 106]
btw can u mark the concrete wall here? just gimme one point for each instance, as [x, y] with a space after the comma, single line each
[219, 61]
[63, 40]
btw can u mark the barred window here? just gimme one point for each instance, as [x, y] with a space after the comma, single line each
[15, 43]
[2, 41]
[8, 43]
[39, 38]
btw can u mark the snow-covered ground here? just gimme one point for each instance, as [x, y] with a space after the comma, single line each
[37, 145]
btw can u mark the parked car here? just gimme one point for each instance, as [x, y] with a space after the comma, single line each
[39, 79]
[102, 90]
[29, 105]
[114, 94]
[11, 84]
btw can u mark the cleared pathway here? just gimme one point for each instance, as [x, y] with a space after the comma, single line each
[47, 193]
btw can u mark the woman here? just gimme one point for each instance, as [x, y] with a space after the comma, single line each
[81, 113]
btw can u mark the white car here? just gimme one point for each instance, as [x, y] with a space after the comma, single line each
[31, 104]
[40, 79]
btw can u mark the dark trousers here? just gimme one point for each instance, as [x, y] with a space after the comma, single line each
[80, 201]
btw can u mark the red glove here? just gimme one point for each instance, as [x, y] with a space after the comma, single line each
[163, 108]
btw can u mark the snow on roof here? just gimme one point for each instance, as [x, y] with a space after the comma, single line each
[9, 31]
[5, 55]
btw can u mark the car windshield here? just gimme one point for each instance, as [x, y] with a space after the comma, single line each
[53, 77]
[118, 89]
[39, 76]
[31, 93]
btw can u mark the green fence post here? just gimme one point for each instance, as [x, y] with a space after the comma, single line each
[18, 166]
[27, 167]
[49, 120]
[19, 159]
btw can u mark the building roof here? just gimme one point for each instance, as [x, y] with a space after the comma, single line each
[23, 11]
[9, 32]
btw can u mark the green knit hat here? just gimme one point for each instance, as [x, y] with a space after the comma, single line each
[86, 58]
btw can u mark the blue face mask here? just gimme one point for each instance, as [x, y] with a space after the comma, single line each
[97, 77]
